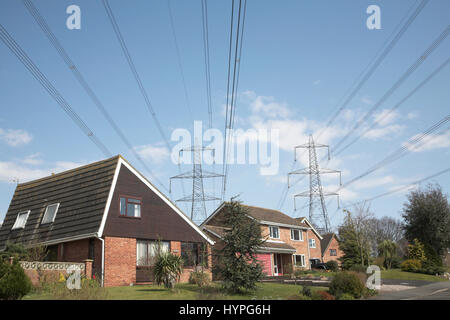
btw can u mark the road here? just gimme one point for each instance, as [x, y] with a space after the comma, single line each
[433, 291]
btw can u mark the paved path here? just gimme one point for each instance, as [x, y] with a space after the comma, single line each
[433, 291]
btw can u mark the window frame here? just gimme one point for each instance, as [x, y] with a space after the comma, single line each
[331, 253]
[126, 206]
[314, 241]
[147, 244]
[300, 232]
[27, 212]
[302, 260]
[278, 232]
[54, 216]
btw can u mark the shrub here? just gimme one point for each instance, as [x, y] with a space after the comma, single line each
[358, 268]
[379, 261]
[411, 265]
[306, 291]
[299, 273]
[90, 289]
[430, 267]
[332, 265]
[14, 283]
[346, 296]
[199, 278]
[347, 282]
[168, 267]
[396, 262]
[324, 295]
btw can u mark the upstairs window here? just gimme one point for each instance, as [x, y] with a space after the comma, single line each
[21, 220]
[296, 235]
[312, 243]
[333, 252]
[130, 207]
[274, 232]
[50, 213]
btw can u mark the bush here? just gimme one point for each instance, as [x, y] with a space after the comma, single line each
[379, 261]
[346, 296]
[299, 273]
[14, 283]
[411, 265]
[347, 282]
[199, 278]
[358, 268]
[396, 262]
[306, 291]
[168, 267]
[324, 295]
[332, 265]
[431, 267]
[90, 289]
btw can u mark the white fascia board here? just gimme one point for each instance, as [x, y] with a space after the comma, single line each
[121, 162]
[271, 223]
[314, 230]
[213, 214]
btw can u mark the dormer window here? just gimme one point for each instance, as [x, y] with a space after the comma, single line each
[21, 220]
[274, 232]
[130, 207]
[50, 213]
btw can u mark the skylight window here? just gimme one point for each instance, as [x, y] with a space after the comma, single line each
[50, 213]
[21, 220]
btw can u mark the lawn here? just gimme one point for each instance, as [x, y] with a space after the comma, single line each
[402, 275]
[184, 291]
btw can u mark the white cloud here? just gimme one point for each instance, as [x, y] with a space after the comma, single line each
[153, 153]
[15, 137]
[11, 171]
[316, 82]
[33, 159]
[412, 115]
[430, 142]
[367, 100]
[385, 117]
[375, 182]
[266, 106]
[384, 131]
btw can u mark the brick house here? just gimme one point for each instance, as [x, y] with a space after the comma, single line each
[290, 243]
[330, 248]
[107, 212]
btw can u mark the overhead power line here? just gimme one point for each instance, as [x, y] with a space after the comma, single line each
[400, 188]
[180, 64]
[133, 69]
[40, 20]
[363, 78]
[395, 107]
[42, 79]
[206, 59]
[397, 84]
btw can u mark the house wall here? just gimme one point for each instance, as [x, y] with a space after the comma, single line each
[266, 262]
[334, 244]
[73, 251]
[315, 253]
[120, 261]
[300, 246]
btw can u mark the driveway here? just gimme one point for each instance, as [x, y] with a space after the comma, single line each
[433, 291]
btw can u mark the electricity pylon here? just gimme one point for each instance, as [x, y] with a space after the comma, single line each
[198, 197]
[318, 214]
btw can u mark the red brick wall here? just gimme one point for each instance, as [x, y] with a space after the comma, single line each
[333, 245]
[266, 262]
[74, 251]
[315, 253]
[120, 261]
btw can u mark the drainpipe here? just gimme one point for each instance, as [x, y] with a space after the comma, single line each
[103, 259]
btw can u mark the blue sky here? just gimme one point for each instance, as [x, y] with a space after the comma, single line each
[299, 59]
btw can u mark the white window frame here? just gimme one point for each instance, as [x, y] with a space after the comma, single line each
[17, 219]
[302, 260]
[271, 233]
[300, 234]
[312, 243]
[46, 211]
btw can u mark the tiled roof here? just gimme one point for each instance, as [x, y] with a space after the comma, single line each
[325, 241]
[82, 193]
[263, 214]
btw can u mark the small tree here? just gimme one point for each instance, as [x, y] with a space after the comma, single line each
[238, 264]
[14, 283]
[388, 250]
[168, 267]
[416, 251]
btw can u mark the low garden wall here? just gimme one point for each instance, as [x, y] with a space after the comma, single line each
[39, 272]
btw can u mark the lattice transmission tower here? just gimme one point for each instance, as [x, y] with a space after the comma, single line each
[198, 197]
[318, 214]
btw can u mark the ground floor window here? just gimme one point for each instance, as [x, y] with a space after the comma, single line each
[193, 254]
[147, 250]
[299, 260]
